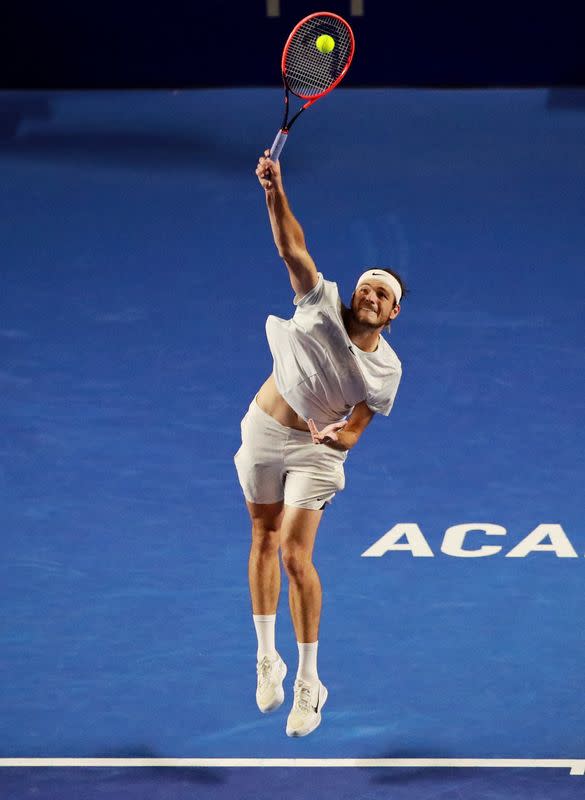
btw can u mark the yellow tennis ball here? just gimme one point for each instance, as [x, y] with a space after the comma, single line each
[325, 43]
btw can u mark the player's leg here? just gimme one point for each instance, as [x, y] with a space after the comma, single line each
[313, 477]
[297, 538]
[259, 464]
[298, 532]
[263, 564]
[264, 579]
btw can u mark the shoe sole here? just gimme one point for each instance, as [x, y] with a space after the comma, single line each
[298, 734]
[279, 698]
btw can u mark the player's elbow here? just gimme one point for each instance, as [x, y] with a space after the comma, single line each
[292, 249]
[284, 249]
[347, 440]
[353, 439]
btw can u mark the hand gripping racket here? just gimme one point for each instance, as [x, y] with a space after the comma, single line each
[310, 66]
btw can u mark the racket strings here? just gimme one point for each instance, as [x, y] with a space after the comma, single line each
[308, 71]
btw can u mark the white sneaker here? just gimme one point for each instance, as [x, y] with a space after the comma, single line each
[269, 691]
[305, 714]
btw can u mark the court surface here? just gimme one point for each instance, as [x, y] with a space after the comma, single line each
[138, 269]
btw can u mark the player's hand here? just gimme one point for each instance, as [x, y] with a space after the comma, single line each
[328, 434]
[268, 173]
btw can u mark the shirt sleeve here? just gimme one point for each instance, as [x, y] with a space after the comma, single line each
[382, 402]
[323, 293]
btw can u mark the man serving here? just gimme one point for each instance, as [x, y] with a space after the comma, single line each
[332, 372]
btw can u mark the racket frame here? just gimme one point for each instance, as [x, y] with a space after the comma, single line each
[280, 139]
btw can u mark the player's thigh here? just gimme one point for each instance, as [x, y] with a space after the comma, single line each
[266, 517]
[298, 531]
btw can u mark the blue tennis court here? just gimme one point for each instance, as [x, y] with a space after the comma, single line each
[138, 270]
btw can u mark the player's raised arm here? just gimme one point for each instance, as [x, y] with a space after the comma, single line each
[288, 234]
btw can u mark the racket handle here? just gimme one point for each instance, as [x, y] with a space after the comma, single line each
[278, 144]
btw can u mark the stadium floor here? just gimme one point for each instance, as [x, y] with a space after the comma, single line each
[137, 272]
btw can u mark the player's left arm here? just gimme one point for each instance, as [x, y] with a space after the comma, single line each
[344, 435]
[361, 416]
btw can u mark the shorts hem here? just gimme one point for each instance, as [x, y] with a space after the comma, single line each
[317, 506]
[263, 502]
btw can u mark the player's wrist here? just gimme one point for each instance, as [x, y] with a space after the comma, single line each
[274, 195]
[336, 445]
[344, 441]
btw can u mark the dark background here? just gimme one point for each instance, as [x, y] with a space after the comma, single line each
[178, 44]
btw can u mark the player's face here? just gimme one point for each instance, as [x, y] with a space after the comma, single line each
[373, 305]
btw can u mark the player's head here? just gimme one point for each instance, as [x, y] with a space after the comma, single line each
[377, 297]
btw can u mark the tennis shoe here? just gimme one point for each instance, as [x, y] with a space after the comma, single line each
[269, 692]
[305, 715]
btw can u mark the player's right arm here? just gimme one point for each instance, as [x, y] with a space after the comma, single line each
[288, 234]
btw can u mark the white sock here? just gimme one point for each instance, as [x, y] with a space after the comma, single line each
[265, 625]
[308, 661]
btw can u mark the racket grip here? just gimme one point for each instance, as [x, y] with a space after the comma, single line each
[278, 144]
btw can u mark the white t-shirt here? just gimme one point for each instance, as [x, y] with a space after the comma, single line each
[318, 370]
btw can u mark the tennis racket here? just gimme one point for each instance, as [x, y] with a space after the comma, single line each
[307, 71]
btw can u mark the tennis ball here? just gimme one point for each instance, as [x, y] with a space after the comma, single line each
[325, 43]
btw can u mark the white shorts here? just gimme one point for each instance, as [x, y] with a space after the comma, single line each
[279, 463]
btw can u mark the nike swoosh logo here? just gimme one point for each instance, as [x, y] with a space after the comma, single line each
[316, 708]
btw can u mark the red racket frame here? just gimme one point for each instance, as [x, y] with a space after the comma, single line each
[343, 72]
[280, 139]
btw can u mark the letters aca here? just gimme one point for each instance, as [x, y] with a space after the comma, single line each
[547, 538]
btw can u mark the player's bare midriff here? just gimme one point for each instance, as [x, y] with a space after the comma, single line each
[273, 403]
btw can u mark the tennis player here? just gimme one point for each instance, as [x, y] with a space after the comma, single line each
[332, 372]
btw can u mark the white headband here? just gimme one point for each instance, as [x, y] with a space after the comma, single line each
[382, 277]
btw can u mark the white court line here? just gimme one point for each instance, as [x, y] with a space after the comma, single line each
[577, 766]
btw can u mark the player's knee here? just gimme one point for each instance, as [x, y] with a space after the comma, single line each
[265, 539]
[296, 562]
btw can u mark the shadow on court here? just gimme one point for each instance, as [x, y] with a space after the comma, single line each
[96, 140]
[14, 111]
[290, 784]
[484, 783]
[405, 775]
[128, 150]
[566, 99]
[170, 775]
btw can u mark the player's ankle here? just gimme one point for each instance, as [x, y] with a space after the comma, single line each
[307, 670]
